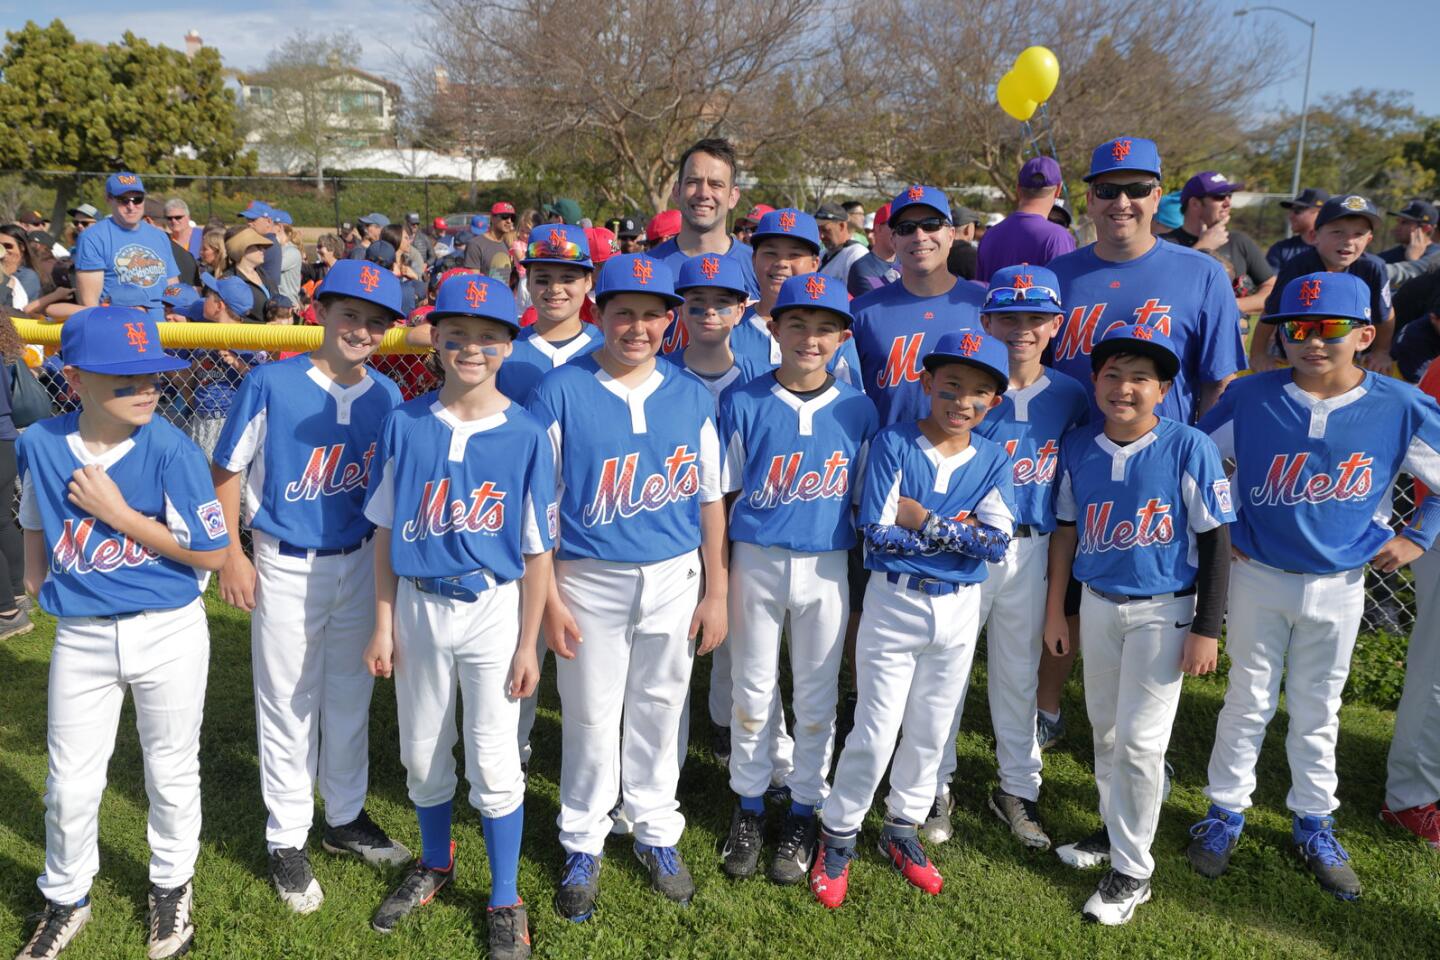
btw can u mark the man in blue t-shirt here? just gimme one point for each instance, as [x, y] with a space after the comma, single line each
[121, 260]
[705, 192]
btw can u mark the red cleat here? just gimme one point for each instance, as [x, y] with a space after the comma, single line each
[1423, 821]
[905, 853]
[830, 890]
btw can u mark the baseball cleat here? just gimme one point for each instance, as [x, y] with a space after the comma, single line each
[938, 827]
[508, 932]
[15, 624]
[294, 881]
[1115, 898]
[668, 873]
[741, 853]
[1316, 844]
[1213, 839]
[579, 886]
[1423, 821]
[1093, 851]
[1048, 732]
[796, 850]
[830, 877]
[900, 844]
[55, 927]
[1021, 816]
[419, 887]
[620, 825]
[720, 742]
[172, 933]
[363, 838]
[778, 794]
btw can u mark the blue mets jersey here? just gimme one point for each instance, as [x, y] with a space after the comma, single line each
[797, 464]
[633, 464]
[751, 338]
[974, 482]
[462, 496]
[532, 356]
[1029, 423]
[741, 372]
[894, 329]
[1313, 478]
[308, 443]
[95, 571]
[1181, 292]
[1138, 507]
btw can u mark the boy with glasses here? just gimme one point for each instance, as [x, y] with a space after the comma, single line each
[123, 261]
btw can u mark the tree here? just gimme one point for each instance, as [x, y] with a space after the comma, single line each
[67, 105]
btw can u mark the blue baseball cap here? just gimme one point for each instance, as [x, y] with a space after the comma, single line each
[479, 223]
[917, 194]
[381, 252]
[257, 209]
[233, 291]
[119, 184]
[362, 280]
[1321, 295]
[1124, 153]
[712, 270]
[1138, 338]
[788, 222]
[1349, 205]
[476, 295]
[120, 341]
[635, 273]
[181, 298]
[280, 216]
[1023, 289]
[559, 243]
[813, 291]
[1168, 214]
[974, 348]
[375, 220]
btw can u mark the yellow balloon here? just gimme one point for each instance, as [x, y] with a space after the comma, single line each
[1011, 100]
[1037, 72]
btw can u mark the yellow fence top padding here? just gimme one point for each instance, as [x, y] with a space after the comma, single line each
[220, 336]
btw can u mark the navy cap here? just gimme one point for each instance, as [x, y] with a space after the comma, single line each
[1306, 199]
[1349, 205]
[476, 295]
[916, 194]
[257, 208]
[120, 341]
[974, 348]
[1124, 153]
[1323, 295]
[712, 270]
[1419, 211]
[636, 273]
[280, 216]
[119, 184]
[1023, 289]
[1138, 338]
[233, 291]
[375, 220]
[381, 252]
[559, 243]
[1208, 183]
[813, 291]
[788, 222]
[1040, 172]
[362, 280]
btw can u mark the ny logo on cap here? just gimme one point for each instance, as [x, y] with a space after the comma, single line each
[1023, 281]
[916, 193]
[642, 270]
[969, 344]
[475, 294]
[787, 221]
[137, 336]
[1353, 202]
[1120, 149]
[709, 266]
[369, 278]
[556, 242]
[1309, 291]
[815, 286]
[172, 290]
[126, 178]
[1143, 333]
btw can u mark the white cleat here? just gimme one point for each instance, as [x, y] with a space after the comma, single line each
[294, 881]
[938, 826]
[1093, 851]
[1115, 898]
[172, 932]
[55, 927]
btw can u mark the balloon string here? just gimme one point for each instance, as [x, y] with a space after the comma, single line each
[1050, 136]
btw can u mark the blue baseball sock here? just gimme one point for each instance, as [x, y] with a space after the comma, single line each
[502, 845]
[802, 809]
[753, 804]
[435, 834]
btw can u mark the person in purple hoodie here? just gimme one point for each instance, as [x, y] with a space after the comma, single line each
[1027, 235]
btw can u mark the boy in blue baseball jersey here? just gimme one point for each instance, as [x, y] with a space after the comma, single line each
[1022, 310]
[1142, 508]
[1317, 448]
[935, 508]
[306, 429]
[641, 517]
[462, 498]
[559, 275]
[122, 530]
[795, 443]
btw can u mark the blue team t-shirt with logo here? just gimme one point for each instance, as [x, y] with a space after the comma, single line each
[137, 264]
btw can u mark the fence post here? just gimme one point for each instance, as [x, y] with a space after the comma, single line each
[427, 199]
[335, 192]
[209, 199]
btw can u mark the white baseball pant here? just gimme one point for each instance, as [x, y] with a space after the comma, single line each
[162, 657]
[528, 706]
[813, 589]
[912, 656]
[631, 671]
[1132, 659]
[441, 646]
[313, 618]
[720, 703]
[1302, 626]
[1012, 611]
[1413, 773]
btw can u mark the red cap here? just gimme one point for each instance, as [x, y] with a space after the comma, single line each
[882, 214]
[440, 223]
[602, 244]
[501, 207]
[662, 226]
[756, 212]
[419, 314]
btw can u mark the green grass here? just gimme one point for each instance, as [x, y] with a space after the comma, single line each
[999, 900]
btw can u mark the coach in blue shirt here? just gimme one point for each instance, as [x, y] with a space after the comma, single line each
[121, 260]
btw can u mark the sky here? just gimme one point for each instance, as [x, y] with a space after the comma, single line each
[1368, 46]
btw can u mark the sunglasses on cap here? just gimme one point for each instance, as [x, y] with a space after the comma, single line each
[1135, 191]
[930, 225]
[1008, 296]
[545, 250]
[1330, 329]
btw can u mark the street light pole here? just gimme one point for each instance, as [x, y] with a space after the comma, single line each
[1305, 98]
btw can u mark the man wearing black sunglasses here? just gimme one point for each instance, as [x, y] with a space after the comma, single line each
[121, 260]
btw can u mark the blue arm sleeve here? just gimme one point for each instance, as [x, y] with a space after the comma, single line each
[974, 540]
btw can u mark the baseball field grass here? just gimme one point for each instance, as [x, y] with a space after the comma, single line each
[1000, 900]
